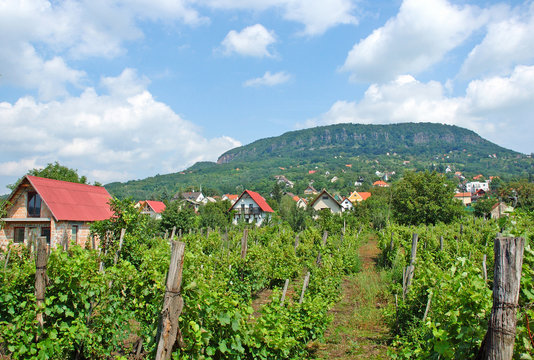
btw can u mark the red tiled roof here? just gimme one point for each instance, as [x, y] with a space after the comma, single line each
[157, 206]
[73, 201]
[296, 198]
[231, 196]
[258, 199]
[463, 194]
[364, 195]
[380, 183]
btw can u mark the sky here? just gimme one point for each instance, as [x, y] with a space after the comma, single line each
[127, 89]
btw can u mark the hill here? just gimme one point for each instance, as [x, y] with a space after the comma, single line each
[335, 157]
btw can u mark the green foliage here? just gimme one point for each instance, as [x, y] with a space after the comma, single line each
[57, 172]
[215, 215]
[179, 215]
[425, 198]
[482, 207]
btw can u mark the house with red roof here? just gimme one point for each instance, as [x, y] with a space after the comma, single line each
[381, 183]
[252, 208]
[151, 208]
[464, 197]
[230, 197]
[55, 209]
[356, 197]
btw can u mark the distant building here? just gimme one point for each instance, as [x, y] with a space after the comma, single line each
[380, 183]
[326, 201]
[151, 207]
[310, 190]
[474, 186]
[464, 197]
[356, 197]
[230, 197]
[252, 208]
[499, 210]
[346, 205]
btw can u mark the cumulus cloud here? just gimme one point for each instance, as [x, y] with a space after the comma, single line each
[251, 41]
[44, 35]
[508, 42]
[317, 16]
[111, 136]
[494, 107]
[418, 37]
[269, 79]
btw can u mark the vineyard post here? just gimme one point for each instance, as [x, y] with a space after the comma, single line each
[304, 286]
[168, 330]
[173, 233]
[411, 268]
[7, 258]
[319, 257]
[484, 270]
[500, 337]
[441, 243]
[414, 248]
[40, 277]
[166, 234]
[286, 284]
[296, 243]
[244, 244]
[427, 306]
[391, 242]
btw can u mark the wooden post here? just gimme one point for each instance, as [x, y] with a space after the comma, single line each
[40, 276]
[180, 233]
[169, 331]
[121, 240]
[441, 243]
[7, 258]
[296, 243]
[484, 269]
[173, 233]
[304, 287]
[391, 242]
[166, 234]
[500, 337]
[414, 248]
[427, 306]
[286, 284]
[319, 256]
[244, 244]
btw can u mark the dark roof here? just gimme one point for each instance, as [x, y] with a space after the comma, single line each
[72, 201]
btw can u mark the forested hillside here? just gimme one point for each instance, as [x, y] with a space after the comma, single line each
[348, 152]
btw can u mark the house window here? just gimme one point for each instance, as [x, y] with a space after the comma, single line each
[242, 208]
[45, 231]
[74, 234]
[34, 204]
[325, 197]
[19, 235]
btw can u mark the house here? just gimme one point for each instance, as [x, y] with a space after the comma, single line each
[474, 186]
[151, 207]
[310, 190]
[281, 179]
[346, 205]
[326, 201]
[251, 207]
[380, 183]
[54, 209]
[499, 210]
[464, 197]
[195, 196]
[302, 203]
[230, 197]
[356, 196]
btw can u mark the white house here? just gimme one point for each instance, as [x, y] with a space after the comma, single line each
[326, 201]
[346, 205]
[151, 207]
[251, 207]
[474, 186]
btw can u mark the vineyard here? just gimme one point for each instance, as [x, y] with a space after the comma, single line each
[106, 302]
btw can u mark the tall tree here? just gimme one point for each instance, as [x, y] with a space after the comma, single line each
[425, 198]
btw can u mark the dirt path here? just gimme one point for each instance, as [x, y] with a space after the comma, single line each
[358, 330]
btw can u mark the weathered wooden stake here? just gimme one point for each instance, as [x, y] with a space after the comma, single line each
[304, 286]
[7, 258]
[319, 256]
[441, 243]
[121, 241]
[173, 232]
[484, 269]
[169, 331]
[427, 306]
[244, 244]
[296, 243]
[40, 277]
[500, 337]
[414, 248]
[286, 284]
[166, 234]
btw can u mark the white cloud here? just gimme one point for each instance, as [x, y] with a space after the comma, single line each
[112, 136]
[251, 41]
[317, 16]
[508, 42]
[269, 79]
[498, 108]
[418, 37]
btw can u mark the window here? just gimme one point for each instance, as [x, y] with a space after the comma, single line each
[74, 234]
[34, 204]
[19, 235]
[325, 197]
[46, 233]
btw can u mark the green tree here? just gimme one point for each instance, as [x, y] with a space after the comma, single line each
[482, 207]
[178, 214]
[57, 172]
[215, 214]
[424, 198]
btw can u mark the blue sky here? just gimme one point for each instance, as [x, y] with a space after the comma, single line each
[124, 90]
